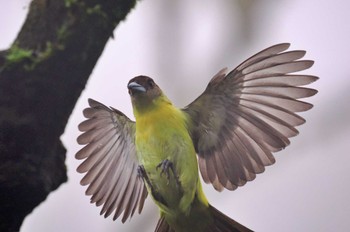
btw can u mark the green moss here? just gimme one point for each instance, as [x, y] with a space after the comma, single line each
[69, 3]
[62, 34]
[17, 54]
[26, 57]
[49, 49]
[97, 9]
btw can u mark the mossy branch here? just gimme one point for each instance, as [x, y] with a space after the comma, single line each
[41, 77]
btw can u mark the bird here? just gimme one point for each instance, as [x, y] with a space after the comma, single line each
[228, 134]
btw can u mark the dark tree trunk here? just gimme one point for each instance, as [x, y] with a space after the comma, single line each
[41, 78]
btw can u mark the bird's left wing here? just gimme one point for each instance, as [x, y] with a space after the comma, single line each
[244, 116]
[110, 161]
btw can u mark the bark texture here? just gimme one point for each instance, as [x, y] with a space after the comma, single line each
[41, 77]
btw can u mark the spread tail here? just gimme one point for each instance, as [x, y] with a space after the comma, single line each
[221, 223]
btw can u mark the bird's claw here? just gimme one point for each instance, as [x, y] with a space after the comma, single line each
[141, 172]
[167, 166]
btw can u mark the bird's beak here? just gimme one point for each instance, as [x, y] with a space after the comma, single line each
[136, 86]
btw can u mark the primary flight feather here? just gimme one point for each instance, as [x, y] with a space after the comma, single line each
[233, 127]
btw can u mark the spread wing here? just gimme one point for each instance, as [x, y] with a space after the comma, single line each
[244, 116]
[110, 161]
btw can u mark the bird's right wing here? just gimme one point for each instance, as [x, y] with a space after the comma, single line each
[110, 161]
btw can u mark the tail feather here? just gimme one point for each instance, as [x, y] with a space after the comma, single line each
[163, 226]
[223, 223]
[220, 223]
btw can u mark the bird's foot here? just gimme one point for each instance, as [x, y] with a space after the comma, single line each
[141, 172]
[167, 166]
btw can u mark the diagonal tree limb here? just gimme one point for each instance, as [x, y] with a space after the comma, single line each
[41, 77]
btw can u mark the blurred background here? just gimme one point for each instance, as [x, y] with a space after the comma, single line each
[182, 44]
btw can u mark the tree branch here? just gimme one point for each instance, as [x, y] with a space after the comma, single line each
[41, 77]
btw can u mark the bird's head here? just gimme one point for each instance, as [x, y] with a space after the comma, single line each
[143, 87]
[145, 93]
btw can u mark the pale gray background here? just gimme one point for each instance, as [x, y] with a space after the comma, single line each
[181, 44]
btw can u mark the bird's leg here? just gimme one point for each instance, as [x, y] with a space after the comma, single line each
[141, 172]
[166, 165]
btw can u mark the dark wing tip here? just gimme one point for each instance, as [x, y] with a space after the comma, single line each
[312, 92]
[279, 46]
[92, 102]
[308, 63]
[80, 140]
[311, 79]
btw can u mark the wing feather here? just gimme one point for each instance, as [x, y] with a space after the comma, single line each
[110, 161]
[243, 117]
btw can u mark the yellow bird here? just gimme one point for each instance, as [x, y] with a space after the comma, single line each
[229, 132]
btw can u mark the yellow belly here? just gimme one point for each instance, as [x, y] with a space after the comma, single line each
[163, 135]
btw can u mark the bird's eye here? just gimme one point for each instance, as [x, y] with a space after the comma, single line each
[151, 83]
